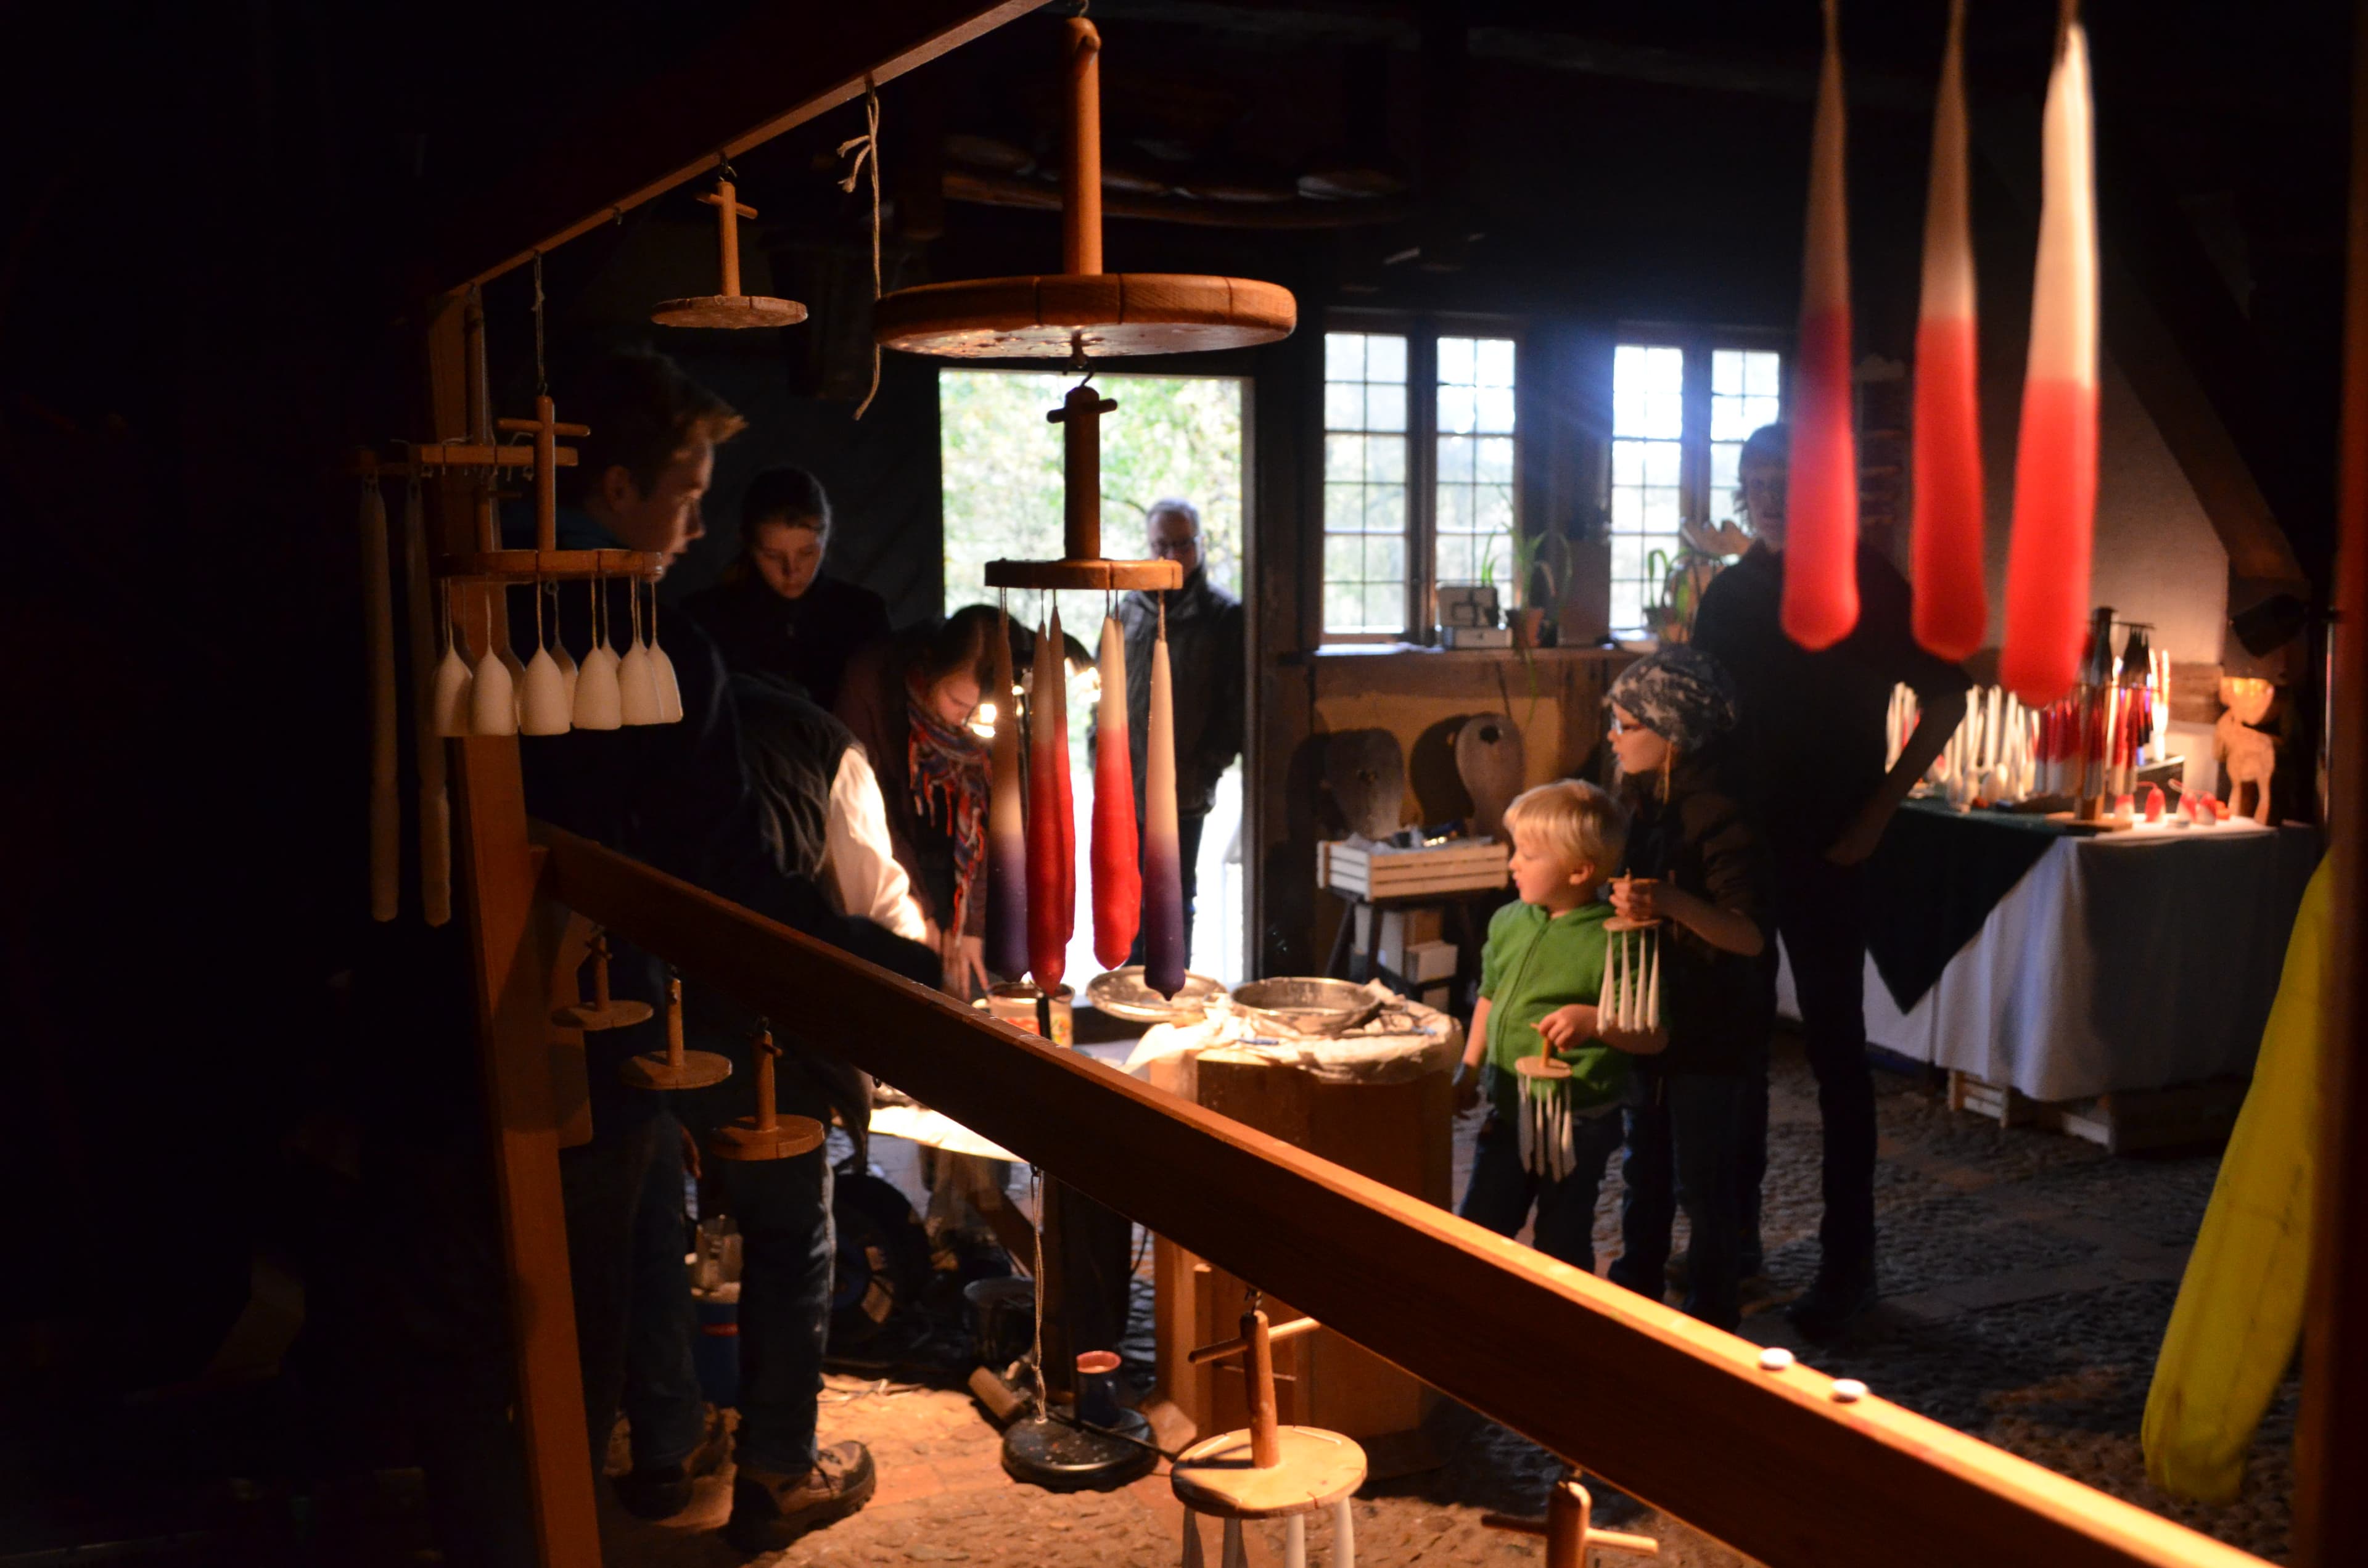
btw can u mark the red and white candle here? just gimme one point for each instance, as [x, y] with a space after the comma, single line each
[1118, 874]
[2056, 463]
[1820, 603]
[1163, 862]
[1952, 610]
[1051, 837]
[1007, 826]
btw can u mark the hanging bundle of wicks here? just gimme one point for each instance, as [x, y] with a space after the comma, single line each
[1547, 1148]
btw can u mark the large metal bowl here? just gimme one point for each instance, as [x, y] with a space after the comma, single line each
[1306, 1004]
[1122, 995]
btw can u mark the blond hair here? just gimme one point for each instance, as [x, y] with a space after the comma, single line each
[1577, 820]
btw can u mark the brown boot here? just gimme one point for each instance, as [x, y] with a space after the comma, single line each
[664, 1493]
[771, 1510]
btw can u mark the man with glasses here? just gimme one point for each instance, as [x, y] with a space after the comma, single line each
[1205, 653]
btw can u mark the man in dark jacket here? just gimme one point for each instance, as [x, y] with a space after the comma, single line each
[678, 797]
[1206, 648]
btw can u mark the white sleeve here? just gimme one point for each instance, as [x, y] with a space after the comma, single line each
[862, 864]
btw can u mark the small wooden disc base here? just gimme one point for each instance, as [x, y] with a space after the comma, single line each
[1318, 1467]
[1097, 315]
[788, 1137]
[1541, 1067]
[1112, 575]
[654, 1071]
[549, 565]
[592, 1018]
[1622, 923]
[728, 311]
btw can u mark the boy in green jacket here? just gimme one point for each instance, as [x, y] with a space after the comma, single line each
[1546, 1139]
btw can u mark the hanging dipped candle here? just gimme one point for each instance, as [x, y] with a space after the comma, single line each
[2056, 461]
[1163, 860]
[1048, 767]
[1952, 612]
[1063, 797]
[1821, 491]
[1118, 874]
[1007, 829]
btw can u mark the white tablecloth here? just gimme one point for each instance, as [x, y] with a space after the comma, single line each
[2126, 961]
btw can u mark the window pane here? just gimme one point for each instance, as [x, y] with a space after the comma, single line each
[1344, 355]
[1344, 508]
[1344, 457]
[1763, 375]
[1455, 508]
[1386, 408]
[1385, 358]
[1725, 372]
[1456, 454]
[1343, 405]
[1455, 408]
[1496, 460]
[1627, 462]
[1647, 388]
[1344, 607]
[1493, 507]
[1455, 564]
[1661, 462]
[1385, 606]
[1455, 361]
[1496, 367]
[1385, 511]
[1344, 557]
[1495, 408]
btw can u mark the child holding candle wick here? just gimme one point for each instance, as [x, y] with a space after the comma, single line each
[1540, 975]
[1695, 865]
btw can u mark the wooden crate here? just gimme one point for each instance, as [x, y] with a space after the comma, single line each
[1374, 872]
[2127, 1121]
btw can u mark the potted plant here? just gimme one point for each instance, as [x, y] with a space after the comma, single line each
[1542, 557]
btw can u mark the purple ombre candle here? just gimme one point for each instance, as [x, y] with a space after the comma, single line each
[1006, 826]
[1163, 860]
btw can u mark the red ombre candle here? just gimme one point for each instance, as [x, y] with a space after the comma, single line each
[1118, 875]
[1063, 797]
[1951, 609]
[1820, 603]
[1163, 862]
[2056, 463]
[1048, 767]
[1006, 830]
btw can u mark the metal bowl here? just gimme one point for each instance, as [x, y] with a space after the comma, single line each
[1122, 995]
[1306, 1004]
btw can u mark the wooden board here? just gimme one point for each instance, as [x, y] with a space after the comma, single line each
[1056, 315]
[2127, 1121]
[1492, 762]
[1754, 1458]
[548, 565]
[727, 310]
[1115, 577]
[1366, 771]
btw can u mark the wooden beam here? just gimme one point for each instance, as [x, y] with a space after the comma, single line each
[778, 67]
[1768, 1461]
[2331, 1440]
[509, 974]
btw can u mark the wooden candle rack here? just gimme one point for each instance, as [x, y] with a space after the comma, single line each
[1566, 1530]
[604, 1011]
[674, 1068]
[1083, 312]
[765, 1135]
[1269, 1471]
[730, 308]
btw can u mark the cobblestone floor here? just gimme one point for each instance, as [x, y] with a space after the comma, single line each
[2027, 1277]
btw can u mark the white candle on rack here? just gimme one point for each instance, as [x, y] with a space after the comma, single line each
[1652, 988]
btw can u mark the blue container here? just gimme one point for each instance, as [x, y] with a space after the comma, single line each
[716, 1352]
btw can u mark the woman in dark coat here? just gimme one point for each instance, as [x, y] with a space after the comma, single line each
[777, 612]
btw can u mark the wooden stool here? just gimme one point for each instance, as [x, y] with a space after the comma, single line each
[1269, 1472]
[1568, 1536]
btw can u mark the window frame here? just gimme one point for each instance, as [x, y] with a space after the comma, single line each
[1697, 343]
[1422, 330]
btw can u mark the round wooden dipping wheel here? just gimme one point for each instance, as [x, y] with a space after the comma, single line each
[765, 1135]
[604, 1011]
[674, 1068]
[730, 308]
[1083, 313]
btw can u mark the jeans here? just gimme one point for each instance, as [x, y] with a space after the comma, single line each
[1684, 1144]
[1502, 1190]
[1821, 919]
[634, 1321]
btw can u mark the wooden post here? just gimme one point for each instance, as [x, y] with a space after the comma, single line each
[674, 1022]
[498, 885]
[2331, 1440]
[1266, 1442]
[1080, 419]
[477, 406]
[729, 210]
[1081, 175]
[767, 1117]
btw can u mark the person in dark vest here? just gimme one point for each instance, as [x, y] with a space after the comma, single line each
[679, 798]
[1206, 650]
[1810, 771]
[777, 611]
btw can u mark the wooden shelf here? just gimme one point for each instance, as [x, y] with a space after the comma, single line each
[1111, 575]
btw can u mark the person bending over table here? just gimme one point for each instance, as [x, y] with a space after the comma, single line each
[1811, 772]
[777, 610]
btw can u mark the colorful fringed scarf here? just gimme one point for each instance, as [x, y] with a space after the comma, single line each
[947, 767]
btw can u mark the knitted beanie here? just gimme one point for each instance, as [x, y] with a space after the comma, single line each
[1681, 693]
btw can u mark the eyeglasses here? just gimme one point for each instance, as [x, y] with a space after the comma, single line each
[1166, 548]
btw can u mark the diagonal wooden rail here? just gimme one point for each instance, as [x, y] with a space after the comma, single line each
[1676, 1411]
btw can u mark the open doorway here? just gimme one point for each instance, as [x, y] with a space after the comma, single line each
[1172, 436]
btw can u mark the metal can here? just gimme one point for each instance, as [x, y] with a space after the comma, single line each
[1015, 1003]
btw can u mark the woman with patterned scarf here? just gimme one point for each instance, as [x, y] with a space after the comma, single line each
[910, 699]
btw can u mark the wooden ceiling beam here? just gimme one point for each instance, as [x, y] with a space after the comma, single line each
[779, 67]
